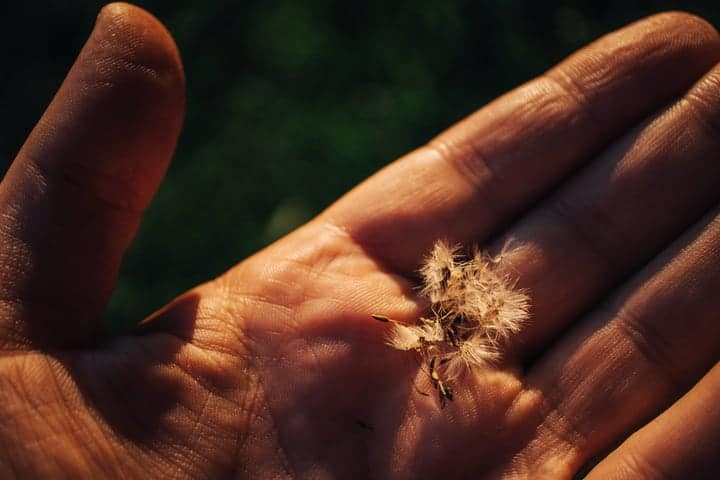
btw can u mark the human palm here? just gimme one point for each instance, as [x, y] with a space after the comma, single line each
[602, 173]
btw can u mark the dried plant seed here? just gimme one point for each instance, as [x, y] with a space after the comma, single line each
[474, 310]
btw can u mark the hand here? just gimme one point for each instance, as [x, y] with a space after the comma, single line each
[604, 173]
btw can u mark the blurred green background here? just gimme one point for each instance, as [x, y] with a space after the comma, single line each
[291, 103]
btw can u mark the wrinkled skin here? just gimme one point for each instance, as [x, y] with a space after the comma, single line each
[604, 172]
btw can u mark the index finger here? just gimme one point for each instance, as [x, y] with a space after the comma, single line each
[474, 178]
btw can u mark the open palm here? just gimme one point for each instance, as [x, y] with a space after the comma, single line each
[603, 173]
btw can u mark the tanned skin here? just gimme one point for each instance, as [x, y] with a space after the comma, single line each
[604, 172]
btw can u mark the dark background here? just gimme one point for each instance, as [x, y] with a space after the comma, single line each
[291, 103]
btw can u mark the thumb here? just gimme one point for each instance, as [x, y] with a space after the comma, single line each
[72, 200]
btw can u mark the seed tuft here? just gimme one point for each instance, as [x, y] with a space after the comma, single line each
[473, 311]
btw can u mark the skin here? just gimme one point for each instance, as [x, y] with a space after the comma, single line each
[602, 172]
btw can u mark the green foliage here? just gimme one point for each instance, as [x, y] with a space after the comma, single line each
[292, 103]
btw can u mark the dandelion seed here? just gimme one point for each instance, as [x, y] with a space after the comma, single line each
[437, 272]
[474, 311]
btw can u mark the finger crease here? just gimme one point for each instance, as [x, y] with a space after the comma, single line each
[572, 88]
[650, 343]
[589, 238]
[475, 168]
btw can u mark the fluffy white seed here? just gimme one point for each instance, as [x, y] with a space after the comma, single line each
[475, 310]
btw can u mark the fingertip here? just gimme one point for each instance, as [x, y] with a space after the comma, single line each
[133, 33]
[685, 22]
[683, 32]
